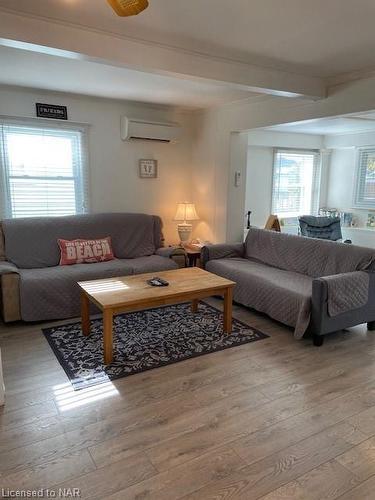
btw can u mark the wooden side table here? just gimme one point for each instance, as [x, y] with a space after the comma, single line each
[179, 256]
[193, 254]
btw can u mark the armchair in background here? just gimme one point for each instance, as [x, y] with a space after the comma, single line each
[324, 228]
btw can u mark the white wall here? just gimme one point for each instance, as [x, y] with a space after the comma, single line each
[259, 184]
[219, 124]
[341, 181]
[260, 167]
[114, 181]
[205, 150]
[359, 139]
[206, 176]
[269, 138]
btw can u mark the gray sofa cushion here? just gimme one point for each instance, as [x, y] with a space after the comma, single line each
[53, 293]
[283, 295]
[310, 256]
[32, 242]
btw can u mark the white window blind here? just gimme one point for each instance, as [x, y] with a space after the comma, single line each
[296, 183]
[43, 170]
[364, 189]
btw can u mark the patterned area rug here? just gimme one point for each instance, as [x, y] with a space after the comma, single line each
[144, 340]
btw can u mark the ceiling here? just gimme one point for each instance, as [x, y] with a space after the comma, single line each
[29, 69]
[320, 38]
[330, 126]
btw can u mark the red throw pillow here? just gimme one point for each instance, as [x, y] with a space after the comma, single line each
[85, 251]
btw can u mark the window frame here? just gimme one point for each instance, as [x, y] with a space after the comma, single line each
[79, 141]
[316, 181]
[359, 185]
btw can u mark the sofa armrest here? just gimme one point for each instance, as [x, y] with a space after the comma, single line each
[222, 251]
[166, 251]
[10, 292]
[346, 291]
[7, 267]
[331, 313]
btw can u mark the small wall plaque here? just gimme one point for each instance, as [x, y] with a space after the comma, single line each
[148, 169]
[51, 111]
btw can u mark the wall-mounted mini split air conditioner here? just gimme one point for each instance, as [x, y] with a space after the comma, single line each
[134, 129]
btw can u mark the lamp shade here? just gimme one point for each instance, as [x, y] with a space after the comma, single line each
[186, 211]
[128, 7]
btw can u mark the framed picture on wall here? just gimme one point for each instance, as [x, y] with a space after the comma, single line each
[148, 169]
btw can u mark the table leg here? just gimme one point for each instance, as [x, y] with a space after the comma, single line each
[194, 305]
[85, 314]
[107, 336]
[228, 298]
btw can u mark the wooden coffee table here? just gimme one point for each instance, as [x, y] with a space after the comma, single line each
[132, 293]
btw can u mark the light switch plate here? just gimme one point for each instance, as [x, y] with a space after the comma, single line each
[237, 178]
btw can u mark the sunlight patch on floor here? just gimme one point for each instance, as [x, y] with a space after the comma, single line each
[67, 398]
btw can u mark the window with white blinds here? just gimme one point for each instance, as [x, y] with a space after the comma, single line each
[296, 183]
[364, 193]
[43, 170]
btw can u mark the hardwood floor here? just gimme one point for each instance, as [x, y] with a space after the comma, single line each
[271, 420]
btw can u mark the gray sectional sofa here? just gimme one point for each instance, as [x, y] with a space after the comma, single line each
[312, 285]
[35, 287]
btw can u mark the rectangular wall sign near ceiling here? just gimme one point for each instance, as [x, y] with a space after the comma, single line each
[51, 111]
[148, 169]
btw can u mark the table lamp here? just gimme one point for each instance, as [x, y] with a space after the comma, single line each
[185, 212]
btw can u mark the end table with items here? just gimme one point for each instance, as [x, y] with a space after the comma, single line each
[193, 253]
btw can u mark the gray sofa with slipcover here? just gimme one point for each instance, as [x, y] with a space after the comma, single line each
[310, 284]
[35, 287]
